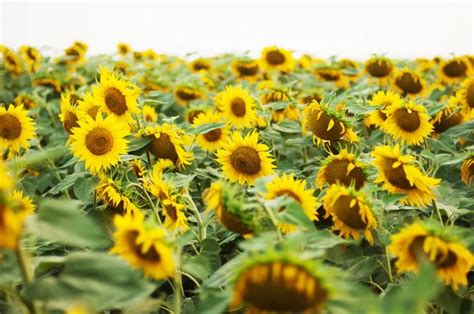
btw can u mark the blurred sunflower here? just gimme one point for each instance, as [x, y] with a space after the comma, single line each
[11, 227]
[350, 212]
[341, 168]
[454, 70]
[407, 122]
[214, 139]
[32, 58]
[284, 109]
[237, 106]
[26, 100]
[186, 94]
[244, 160]
[383, 100]
[16, 128]
[466, 95]
[22, 205]
[68, 115]
[288, 186]
[279, 59]
[467, 170]
[108, 191]
[149, 113]
[48, 82]
[332, 75]
[379, 69]
[409, 83]
[399, 175]
[12, 62]
[199, 65]
[420, 242]
[246, 69]
[6, 182]
[123, 49]
[451, 115]
[138, 168]
[99, 142]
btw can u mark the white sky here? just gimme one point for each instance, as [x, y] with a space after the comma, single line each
[343, 28]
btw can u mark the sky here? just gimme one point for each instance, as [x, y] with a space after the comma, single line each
[343, 28]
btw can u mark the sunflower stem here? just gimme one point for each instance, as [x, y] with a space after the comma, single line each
[389, 266]
[197, 214]
[26, 273]
[177, 284]
[435, 206]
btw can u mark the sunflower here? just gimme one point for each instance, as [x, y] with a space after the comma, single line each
[466, 94]
[280, 282]
[26, 100]
[326, 125]
[99, 142]
[332, 75]
[238, 106]
[48, 82]
[108, 191]
[454, 70]
[143, 248]
[69, 116]
[74, 55]
[288, 186]
[246, 69]
[6, 182]
[116, 97]
[123, 49]
[279, 59]
[467, 170]
[32, 58]
[307, 96]
[343, 169]
[451, 115]
[87, 106]
[192, 113]
[138, 168]
[186, 94]
[350, 212]
[379, 69]
[12, 62]
[409, 83]
[200, 65]
[170, 142]
[149, 113]
[399, 175]
[16, 128]
[383, 100]
[11, 227]
[419, 242]
[23, 205]
[244, 160]
[407, 122]
[214, 139]
[289, 111]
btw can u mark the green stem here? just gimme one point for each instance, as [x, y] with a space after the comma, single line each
[27, 275]
[389, 266]
[197, 214]
[435, 206]
[177, 284]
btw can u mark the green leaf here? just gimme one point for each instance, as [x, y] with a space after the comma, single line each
[205, 128]
[295, 215]
[138, 143]
[84, 187]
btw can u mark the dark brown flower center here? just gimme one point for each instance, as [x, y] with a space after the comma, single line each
[193, 115]
[99, 141]
[347, 214]
[245, 160]
[396, 176]
[447, 121]
[200, 65]
[455, 68]
[336, 172]
[329, 75]
[470, 95]
[441, 260]
[275, 57]
[150, 255]
[379, 68]
[70, 122]
[382, 114]
[186, 94]
[163, 148]
[409, 83]
[407, 121]
[247, 69]
[171, 212]
[92, 111]
[10, 127]
[319, 126]
[237, 105]
[213, 136]
[115, 101]
[233, 223]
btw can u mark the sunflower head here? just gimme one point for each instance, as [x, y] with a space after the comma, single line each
[114, 197]
[467, 170]
[451, 115]
[12, 62]
[466, 94]
[383, 100]
[237, 106]
[11, 227]
[16, 128]
[379, 69]
[342, 168]
[149, 113]
[200, 65]
[186, 94]
[246, 69]
[28, 101]
[333, 75]
[48, 82]
[409, 83]
[32, 58]
[215, 138]
[454, 70]
[6, 181]
[274, 58]
[123, 49]
[22, 204]
[69, 115]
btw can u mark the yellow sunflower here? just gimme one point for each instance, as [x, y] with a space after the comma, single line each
[6, 182]
[451, 115]
[48, 82]
[99, 142]
[23, 205]
[173, 211]
[326, 125]
[123, 49]
[26, 100]
[68, 116]
[215, 138]
[467, 170]
[32, 58]
[418, 242]
[350, 212]
[108, 191]
[149, 113]
[116, 97]
[343, 169]
[16, 128]
[74, 55]
[379, 69]
[246, 69]
[288, 186]
[12, 62]
[237, 106]
[88, 106]
[11, 227]
[332, 75]
[244, 160]
[145, 249]
[186, 94]
[274, 94]
[409, 83]
[170, 142]
[454, 70]
[407, 122]
[279, 59]
[383, 100]
[466, 95]
[138, 168]
[399, 175]
[200, 65]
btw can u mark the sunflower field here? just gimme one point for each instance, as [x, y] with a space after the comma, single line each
[138, 182]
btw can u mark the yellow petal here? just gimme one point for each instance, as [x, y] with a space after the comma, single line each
[330, 125]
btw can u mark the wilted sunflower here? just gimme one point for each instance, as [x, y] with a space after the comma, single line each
[26, 100]
[123, 49]
[244, 160]
[170, 142]
[200, 65]
[288, 186]
[32, 58]
[149, 113]
[342, 168]
[420, 242]
[379, 69]
[12, 62]
[466, 95]
[16, 128]
[69, 116]
[467, 170]
[246, 69]
[215, 138]
[407, 122]
[279, 59]
[99, 142]
[350, 212]
[143, 248]
[326, 125]
[451, 115]
[409, 83]
[454, 70]
[115, 200]
[186, 94]
[280, 282]
[399, 175]
[116, 97]
[383, 100]
[237, 106]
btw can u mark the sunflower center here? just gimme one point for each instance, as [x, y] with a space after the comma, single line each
[455, 68]
[347, 214]
[319, 127]
[30, 54]
[447, 120]
[409, 83]
[379, 68]
[396, 176]
[237, 105]
[171, 212]
[382, 114]
[193, 115]
[407, 121]
[247, 69]
[246, 160]
[199, 65]
[163, 148]
[115, 101]
[10, 127]
[275, 57]
[213, 136]
[70, 122]
[186, 94]
[470, 96]
[308, 99]
[329, 75]
[11, 60]
[151, 255]
[440, 260]
[99, 141]
[336, 171]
